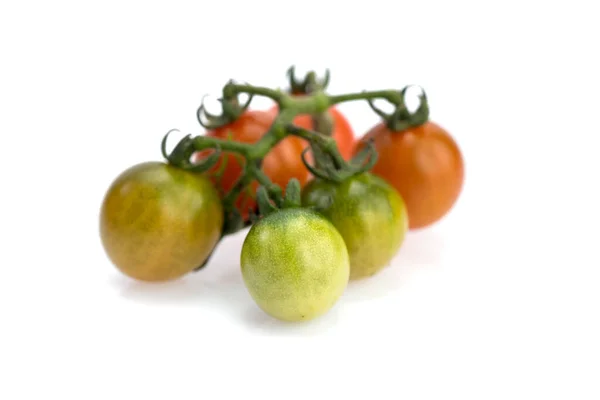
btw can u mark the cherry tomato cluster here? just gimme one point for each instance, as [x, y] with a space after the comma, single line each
[312, 228]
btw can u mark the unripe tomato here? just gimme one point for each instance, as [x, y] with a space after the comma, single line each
[281, 164]
[370, 215]
[424, 164]
[295, 264]
[159, 222]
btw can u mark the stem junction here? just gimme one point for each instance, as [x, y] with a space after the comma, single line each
[304, 97]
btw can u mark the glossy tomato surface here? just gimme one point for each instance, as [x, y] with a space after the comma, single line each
[295, 264]
[281, 164]
[158, 222]
[424, 164]
[370, 215]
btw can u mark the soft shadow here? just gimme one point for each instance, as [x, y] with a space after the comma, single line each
[220, 281]
[186, 290]
[220, 285]
[420, 250]
[260, 322]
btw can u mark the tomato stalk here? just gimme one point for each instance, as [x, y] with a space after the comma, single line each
[232, 90]
[392, 96]
[328, 162]
[322, 122]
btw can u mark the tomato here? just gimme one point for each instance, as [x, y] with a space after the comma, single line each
[281, 164]
[370, 215]
[295, 264]
[159, 222]
[424, 164]
[342, 133]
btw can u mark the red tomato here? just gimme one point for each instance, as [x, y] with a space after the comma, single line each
[424, 164]
[281, 164]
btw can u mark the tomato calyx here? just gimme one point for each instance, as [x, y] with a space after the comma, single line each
[328, 163]
[230, 106]
[401, 119]
[183, 151]
[309, 84]
[271, 201]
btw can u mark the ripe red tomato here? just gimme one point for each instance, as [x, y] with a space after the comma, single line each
[424, 164]
[281, 164]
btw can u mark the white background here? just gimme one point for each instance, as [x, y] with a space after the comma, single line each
[498, 301]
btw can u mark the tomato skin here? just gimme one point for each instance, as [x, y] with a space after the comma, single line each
[370, 215]
[424, 164]
[295, 264]
[281, 164]
[158, 222]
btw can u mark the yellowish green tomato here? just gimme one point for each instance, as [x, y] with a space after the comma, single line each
[159, 222]
[370, 215]
[295, 264]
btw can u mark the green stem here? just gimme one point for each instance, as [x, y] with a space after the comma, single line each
[273, 189]
[325, 143]
[231, 90]
[205, 142]
[253, 153]
[322, 123]
[314, 103]
[242, 181]
[392, 96]
[273, 136]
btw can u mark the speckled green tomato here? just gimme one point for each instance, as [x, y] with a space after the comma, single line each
[370, 215]
[159, 222]
[295, 264]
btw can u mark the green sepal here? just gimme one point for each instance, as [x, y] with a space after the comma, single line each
[265, 207]
[401, 119]
[292, 194]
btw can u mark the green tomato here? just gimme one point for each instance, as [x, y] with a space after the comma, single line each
[295, 264]
[370, 215]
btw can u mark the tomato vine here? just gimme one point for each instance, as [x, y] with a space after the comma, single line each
[328, 163]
